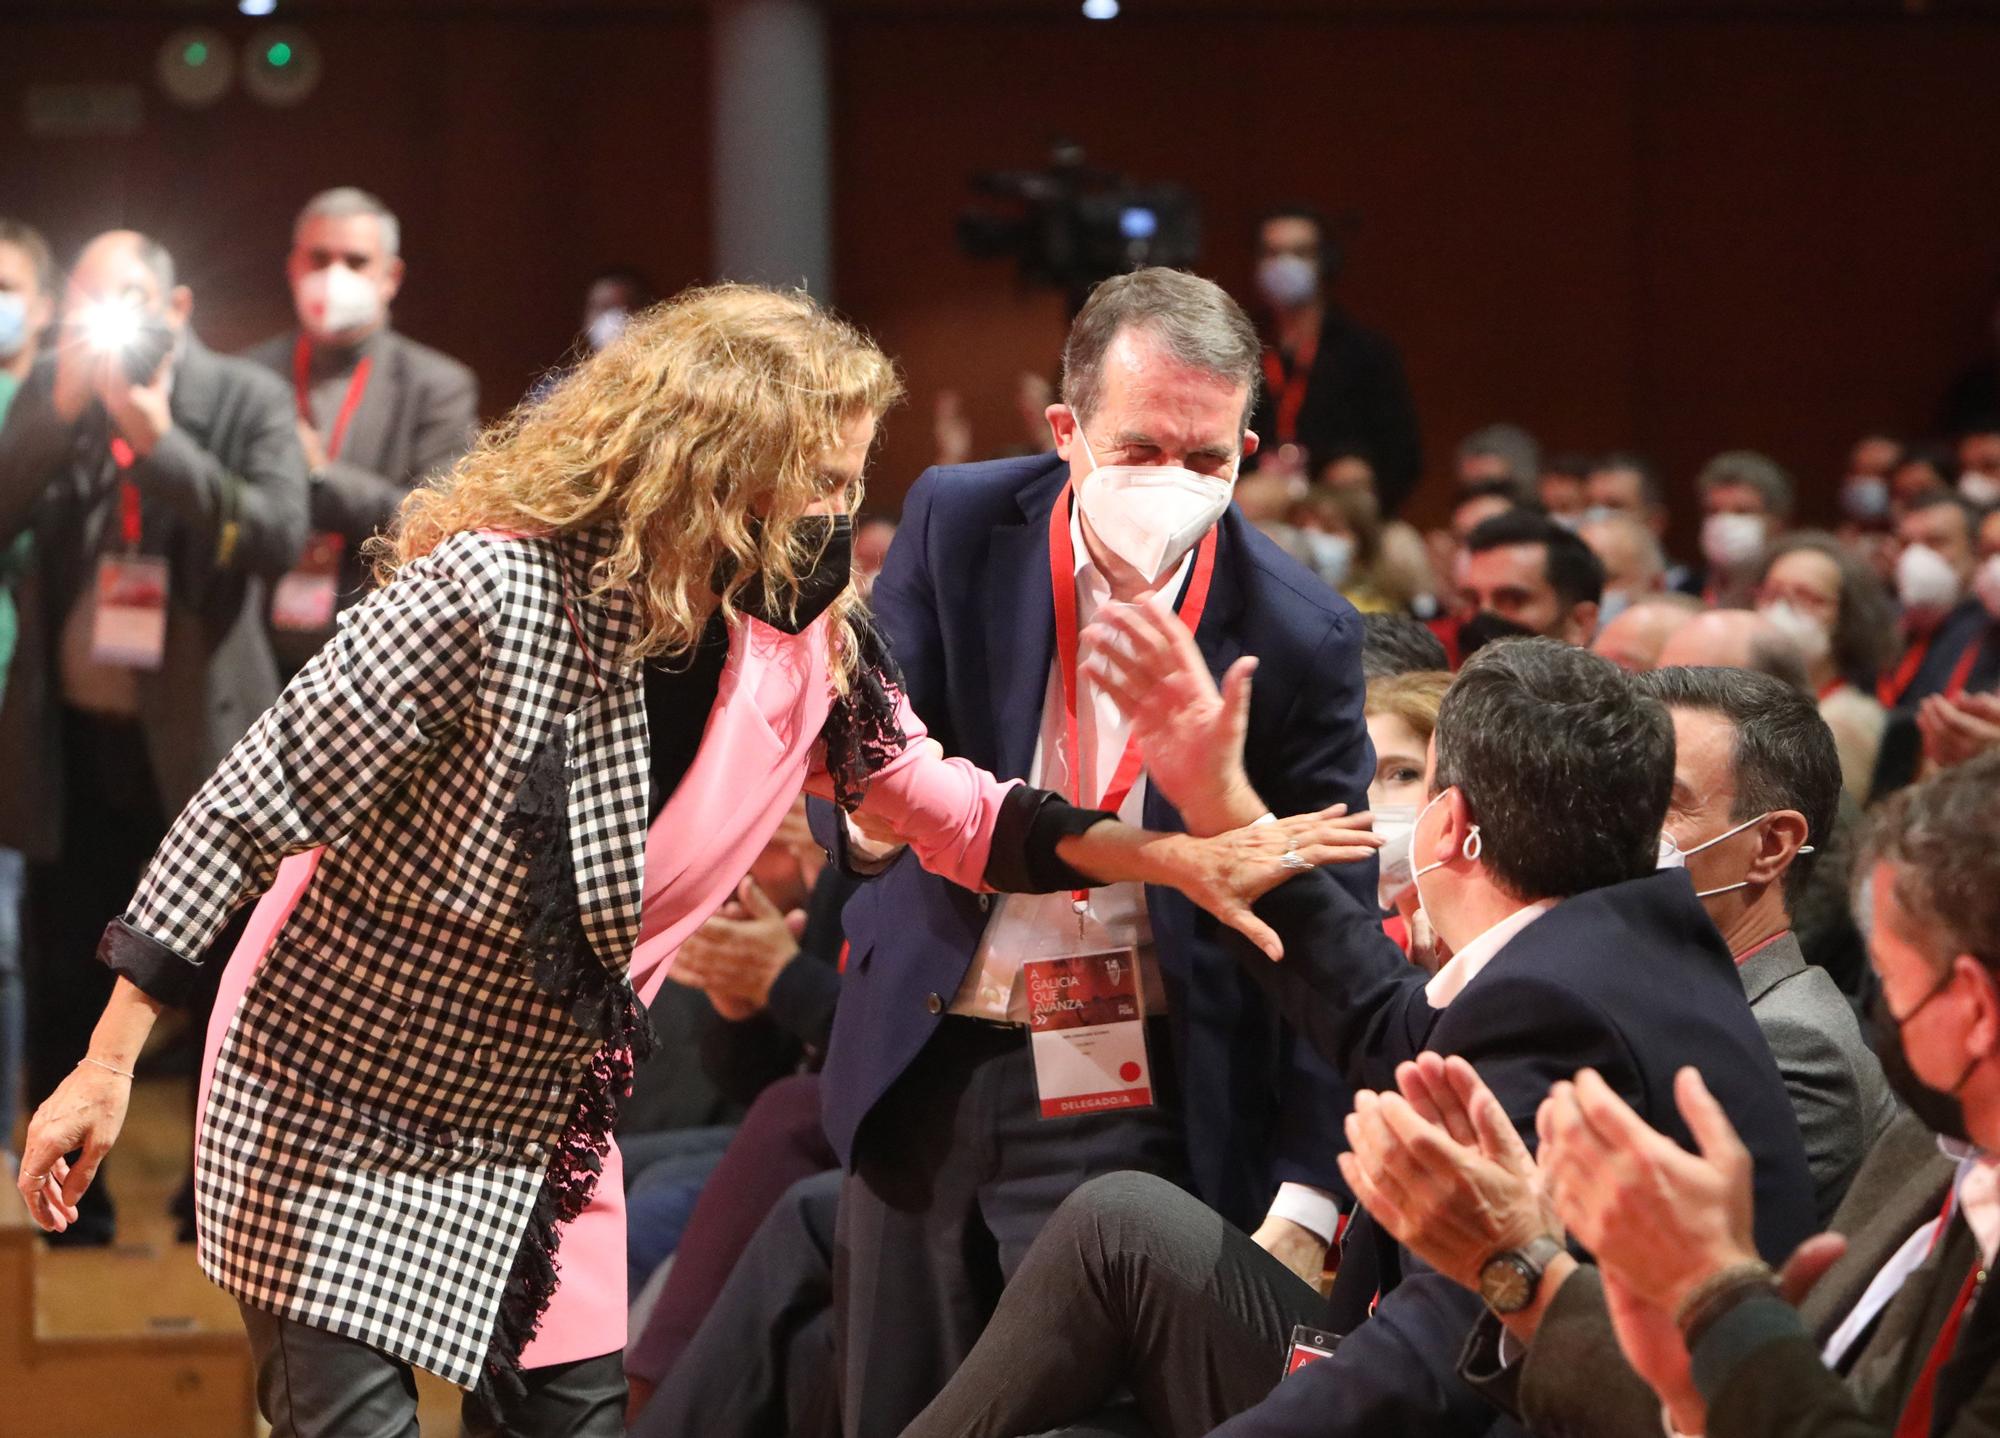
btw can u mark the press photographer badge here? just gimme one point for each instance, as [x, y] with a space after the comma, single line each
[1087, 1031]
[129, 625]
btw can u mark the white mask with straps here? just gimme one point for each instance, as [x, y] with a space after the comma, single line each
[1469, 849]
[1150, 515]
[1727, 833]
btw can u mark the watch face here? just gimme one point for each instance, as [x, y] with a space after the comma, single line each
[1506, 1285]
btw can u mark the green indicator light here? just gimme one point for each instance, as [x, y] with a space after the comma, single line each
[280, 55]
[196, 54]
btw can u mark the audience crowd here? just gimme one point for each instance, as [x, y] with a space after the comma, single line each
[1639, 1084]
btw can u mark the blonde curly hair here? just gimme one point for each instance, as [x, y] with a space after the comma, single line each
[703, 431]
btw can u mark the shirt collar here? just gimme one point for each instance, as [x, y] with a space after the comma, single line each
[1464, 966]
[1978, 1188]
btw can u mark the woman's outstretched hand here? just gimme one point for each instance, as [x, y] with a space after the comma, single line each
[1229, 872]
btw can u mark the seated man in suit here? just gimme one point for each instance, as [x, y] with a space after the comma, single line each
[1697, 1315]
[1549, 776]
[1756, 785]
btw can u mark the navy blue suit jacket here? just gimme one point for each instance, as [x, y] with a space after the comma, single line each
[964, 599]
[1632, 980]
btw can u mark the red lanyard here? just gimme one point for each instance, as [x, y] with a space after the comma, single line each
[1891, 687]
[124, 457]
[1891, 690]
[357, 385]
[1916, 1419]
[1831, 688]
[1290, 392]
[1062, 580]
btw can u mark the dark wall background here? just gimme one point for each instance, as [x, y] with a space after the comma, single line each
[1685, 231]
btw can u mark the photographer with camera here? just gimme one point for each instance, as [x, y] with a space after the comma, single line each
[163, 485]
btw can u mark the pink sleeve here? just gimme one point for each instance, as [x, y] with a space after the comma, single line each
[942, 808]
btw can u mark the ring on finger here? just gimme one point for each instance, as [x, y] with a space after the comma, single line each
[1292, 859]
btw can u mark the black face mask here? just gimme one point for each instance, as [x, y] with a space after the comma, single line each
[791, 608]
[1936, 1109]
[1485, 627]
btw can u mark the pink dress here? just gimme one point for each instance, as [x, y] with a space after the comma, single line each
[759, 748]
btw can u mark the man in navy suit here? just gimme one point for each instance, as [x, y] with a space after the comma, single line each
[1549, 780]
[930, 1089]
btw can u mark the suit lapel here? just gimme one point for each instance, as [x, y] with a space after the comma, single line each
[1020, 624]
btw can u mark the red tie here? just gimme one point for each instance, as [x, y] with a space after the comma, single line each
[1916, 1419]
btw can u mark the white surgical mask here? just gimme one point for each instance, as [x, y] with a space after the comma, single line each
[605, 329]
[1687, 854]
[1925, 579]
[1730, 541]
[1670, 856]
[1986, 584]
[335, 300]
[1469, 850]
[1150, 515]
[1865, 497]
[1286, 281]
[1395, 823]
[13, 323]
[1332, 555]
[1800, 627]
[1980, 489]
[1598, 513]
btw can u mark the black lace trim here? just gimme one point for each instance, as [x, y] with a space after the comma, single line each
[600, 1002]
[862, 733]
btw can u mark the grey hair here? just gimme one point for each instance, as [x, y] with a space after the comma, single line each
[1193, 320]
[1512, 445]
[345, 200]
[1754, 471]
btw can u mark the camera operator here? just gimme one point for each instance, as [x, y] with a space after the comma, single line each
[163, 485]
[378, 413]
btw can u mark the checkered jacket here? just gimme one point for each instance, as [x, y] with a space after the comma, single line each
[382, 1107]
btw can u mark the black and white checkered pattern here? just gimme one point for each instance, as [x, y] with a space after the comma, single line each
[378, 1124]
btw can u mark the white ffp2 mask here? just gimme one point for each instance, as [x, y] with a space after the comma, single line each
[335, 300]
[1149, 515]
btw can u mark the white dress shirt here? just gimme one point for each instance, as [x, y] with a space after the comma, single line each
[1464, 965]
[1039, 926]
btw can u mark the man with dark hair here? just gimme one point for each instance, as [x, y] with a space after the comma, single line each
[1756, 791]
[1535, 860]
[164, 488]
[377, 412]
[930, 1087]
[1330, 384]
[1398, 644]
[1713, 1334]
[1525, 574]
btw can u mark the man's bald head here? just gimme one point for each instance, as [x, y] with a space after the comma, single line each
[1737, 639]
[1633, 640]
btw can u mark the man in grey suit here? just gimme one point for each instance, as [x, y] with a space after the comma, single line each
[164, 487]
[1756, 777]
[378, 413]
[1756, 786]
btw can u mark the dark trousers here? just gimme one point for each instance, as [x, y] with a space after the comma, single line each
[761, 1363]
[955, 1173]
[111, 823]
[1134, 1287]
[312, 1383]
[779, 1142]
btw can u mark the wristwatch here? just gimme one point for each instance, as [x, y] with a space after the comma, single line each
[1510, 1278]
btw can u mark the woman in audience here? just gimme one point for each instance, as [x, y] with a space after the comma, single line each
[1837, 612]
[1402, 713]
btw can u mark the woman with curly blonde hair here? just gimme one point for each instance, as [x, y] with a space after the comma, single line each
[609, 648]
